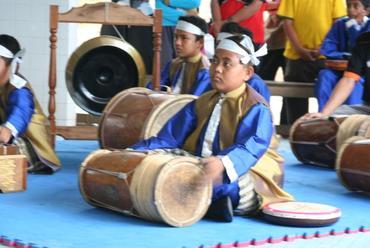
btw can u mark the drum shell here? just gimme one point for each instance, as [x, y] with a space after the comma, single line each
[135, 114]
[124, 117]
[353, 164]
[98, 183]
[116, 179]
[314, 141]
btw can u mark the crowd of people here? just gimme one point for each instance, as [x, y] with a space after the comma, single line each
[230, 124]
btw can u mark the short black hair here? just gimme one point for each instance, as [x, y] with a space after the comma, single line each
[235, 28]
[197, 21]
[237, 39]
[365, 3]
[11, 44]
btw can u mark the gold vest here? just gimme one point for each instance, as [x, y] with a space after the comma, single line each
[37, 132]
[193, 65]
[268, 172]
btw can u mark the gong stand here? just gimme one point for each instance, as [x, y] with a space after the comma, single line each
[99, 13]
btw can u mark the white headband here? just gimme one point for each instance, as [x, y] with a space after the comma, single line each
[223, 35]
[246, 42]
[14, 79]
[189, 27]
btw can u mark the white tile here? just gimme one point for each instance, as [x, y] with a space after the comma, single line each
[23, 11]
[7, 10]
[40, 12]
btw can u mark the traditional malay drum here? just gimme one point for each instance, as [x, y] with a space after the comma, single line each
[353, 164]
[13, 169]
[314, 141]
[337, 65]
[137, 113]
[154, 186]
[301, 214]
[353, 161]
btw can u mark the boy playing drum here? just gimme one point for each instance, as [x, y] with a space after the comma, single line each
[230, 127]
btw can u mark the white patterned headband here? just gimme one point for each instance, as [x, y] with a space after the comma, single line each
[223, 35]
[244, 48]
[14, 79]
[189, 27]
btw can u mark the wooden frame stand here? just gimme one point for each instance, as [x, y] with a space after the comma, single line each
[100, 13]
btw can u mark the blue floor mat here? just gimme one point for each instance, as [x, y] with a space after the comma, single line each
[52, 213]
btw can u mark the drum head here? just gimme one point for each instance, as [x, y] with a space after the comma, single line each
[301, 214]
[180, 200]
[162, 113]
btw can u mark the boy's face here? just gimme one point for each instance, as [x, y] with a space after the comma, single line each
[186, 44]
[227, 73]
[356, 10]
[4, 72]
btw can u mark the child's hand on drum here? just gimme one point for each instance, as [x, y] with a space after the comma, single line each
[213, 169]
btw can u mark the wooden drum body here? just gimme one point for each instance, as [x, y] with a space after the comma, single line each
[353, 164]
[135, 114]
[153, 186]
[314, 141]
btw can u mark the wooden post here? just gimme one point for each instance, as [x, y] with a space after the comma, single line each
[52, 70]
[157, 42]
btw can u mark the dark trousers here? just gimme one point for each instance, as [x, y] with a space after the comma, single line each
[298, 71]
[270, 63]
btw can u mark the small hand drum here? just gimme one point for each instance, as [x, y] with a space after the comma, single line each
[301, 214]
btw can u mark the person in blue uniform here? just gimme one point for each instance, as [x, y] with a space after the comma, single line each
[256, 82]
[338, 45]
[22, 120]
[358, 64]
[188, 73]
[230, 128]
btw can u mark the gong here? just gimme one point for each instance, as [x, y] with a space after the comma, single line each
[99, 69]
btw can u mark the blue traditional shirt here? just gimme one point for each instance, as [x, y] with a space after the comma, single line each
[341, 38]
[19, 110]
[251, 139]
[257, 83]
[195, 79]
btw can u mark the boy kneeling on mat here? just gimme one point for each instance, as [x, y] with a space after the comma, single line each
[22, 120]
[230, 127]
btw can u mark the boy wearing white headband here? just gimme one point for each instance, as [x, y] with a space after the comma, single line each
[22, 120]
[230, 127]
[188, 73]
[256, 82]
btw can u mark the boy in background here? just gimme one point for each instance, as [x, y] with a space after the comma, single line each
[338, 45]
[188, 73]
